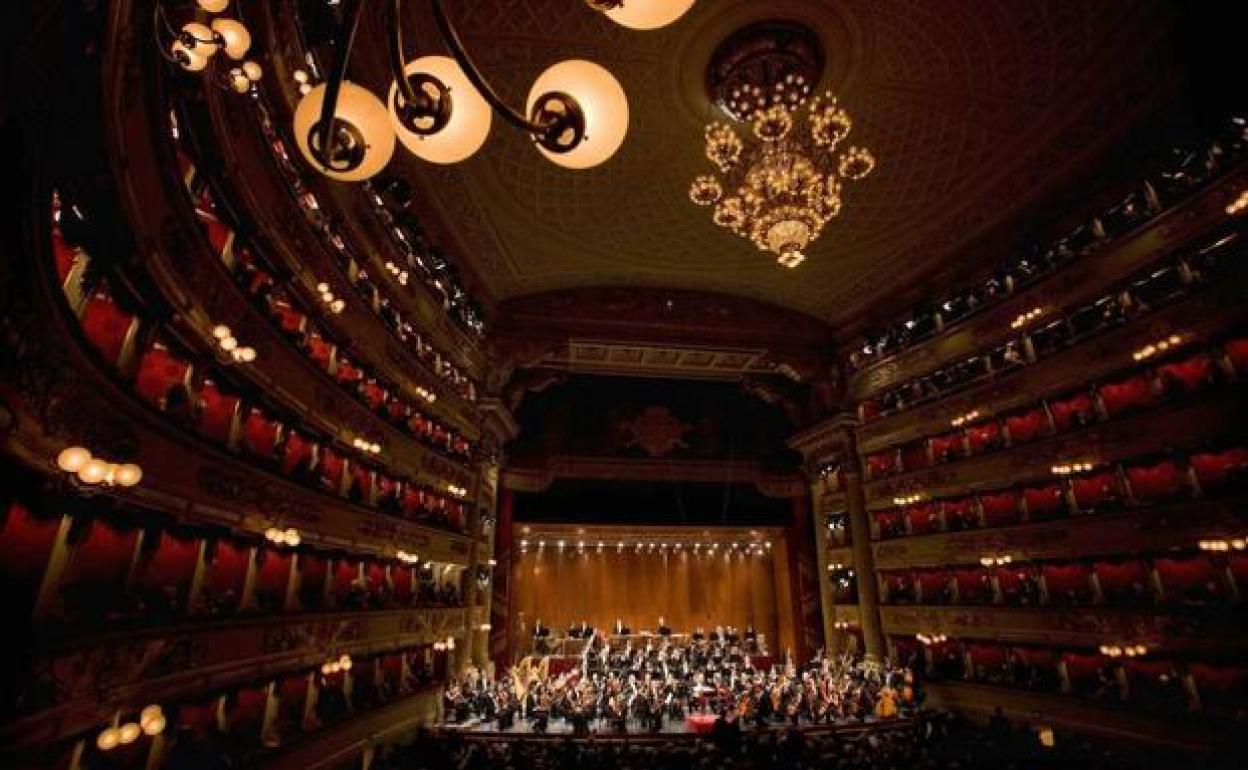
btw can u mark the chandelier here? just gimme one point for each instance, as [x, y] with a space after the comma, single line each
[781, 184]
[438, 107]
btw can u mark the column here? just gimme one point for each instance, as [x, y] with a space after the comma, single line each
[864, 557]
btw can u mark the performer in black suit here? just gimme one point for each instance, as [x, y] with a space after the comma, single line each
[664, 629]
[620, 628]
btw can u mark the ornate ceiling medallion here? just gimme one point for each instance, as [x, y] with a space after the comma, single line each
[782, 183]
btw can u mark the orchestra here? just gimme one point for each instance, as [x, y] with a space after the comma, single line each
[655, 682]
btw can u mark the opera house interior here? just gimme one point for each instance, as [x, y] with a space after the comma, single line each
[699, 384]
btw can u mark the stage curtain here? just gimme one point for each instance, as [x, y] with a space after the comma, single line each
[565, 586]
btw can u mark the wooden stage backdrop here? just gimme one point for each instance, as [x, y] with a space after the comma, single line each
[562, 586]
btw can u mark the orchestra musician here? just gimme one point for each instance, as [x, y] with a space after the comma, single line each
[620, 628]
[663, 629]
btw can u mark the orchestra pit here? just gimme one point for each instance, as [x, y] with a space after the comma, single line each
[666, 384]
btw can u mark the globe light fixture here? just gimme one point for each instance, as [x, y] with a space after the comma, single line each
[194, 45]
[431, 137]
[361, 141]
[603, 107]
[641, 14]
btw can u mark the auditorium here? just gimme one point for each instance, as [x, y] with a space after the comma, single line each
[682, 384]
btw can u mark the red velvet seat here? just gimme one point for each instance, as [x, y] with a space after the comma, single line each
[869, 410]
[1221, 687]
[1189, 375]
[289, 320]
[26, 541]
[159, 372]
[1000, 508]
[330, 469]
[986, 655]
[401, 584]
[273, 567]
[1219, 470]
[1160, 481]
[1095, 491]
[1131, 394]
[320, 351]
[107, 327]
[346, 372]
[1068, 584]
[93, 583]
[217, 412]
[1045, 502]
[961, 513]
[362, 483]
[346, 577]
[227, 575]
[1192, 580]
[881, 464]
[1124, 582]
[198, 718]
[313, 572]
[913, 456]
[260, 435]
[374, 395]
[398, 410]
[974, 585]
[63, 255]
[1073, 412]
[167, 569]
[983, 437]
[923, 519]
[1237, 354]
[1084, 672]
[1027, 426]
[244, 710]
[934, 585]
[412, 501]
[375, 574]
[297, 454]
[292, 694]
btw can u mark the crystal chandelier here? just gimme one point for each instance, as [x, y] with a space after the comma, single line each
[781, 184]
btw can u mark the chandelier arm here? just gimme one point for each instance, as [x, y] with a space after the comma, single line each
[452, 40]
[396, 54]
[345, 39]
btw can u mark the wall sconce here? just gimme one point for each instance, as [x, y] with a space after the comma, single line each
[371, 447]
[1066, 469]
[232, 351]
[1160, 346]
[336, 665]
[930, 639]
[842, 625]
[1238, 205]
[406, 558]
[1121, 651]
[94, 470]
[334, 304]
[990, 560]
[1222, 546]
[459, 491]
[289, 537]
[958, 422]
[1022, 319]
[909, 499]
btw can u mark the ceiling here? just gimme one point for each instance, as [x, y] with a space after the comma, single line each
[975, 110]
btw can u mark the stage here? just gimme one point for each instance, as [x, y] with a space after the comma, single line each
[694, 726]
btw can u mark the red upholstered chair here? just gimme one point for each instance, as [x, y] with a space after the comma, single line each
[313, 572]
[26, 541]
[290, 321]
[347, 373]
[93, 583]
[1194, 580]
[378, 586]
[330, 469]
[349, 591]
[1045, 502]
[297, 454]
[244, 710]
[1125, 396]
[1221, 687]
[900, 587]
[107, 327]
[1068, 584]
[160, 372]
[974, 585]
[457, 516]
[360, 489]
[1089, 675]
[398, 410]
[292, 694]
[946, 447]
[63, 255]
[218, 412]
[914, 457]
[935, 586]
[260, 435]
[1152, 483]
[166, 570]
[198, 717]
[1073, 412]
[891, 524]
[1220, 471]
[1124, 583]
[1153, 684]
[983, 437]
[320, 350]
[923, 519]
[219, 235]
[989, 661]
[882, 464]
[374, 395]
[414, 503]
[1026, 426]
[1096, 492]
[401, 584]
[1000, 508]
[226, 577]
[1237, 354]
[273, 567]
[869, 410]
[1187, 376]
[1035, 668]
[1019, 587]
[961, 513]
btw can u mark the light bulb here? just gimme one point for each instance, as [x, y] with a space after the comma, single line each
[151, 712]
[201, 38]
[365, 138]
[234, 35]
[252, 70]
[129, 733]
[229, 343]
[602, 102]
[239, 81]
[292, 536]
[220, 331]
[648, 14]
[155, 725]
[95, 471]
[470, 116]
[108, 739]
[187, 58]
[72, 459]
[214, 6]
[128, 474]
